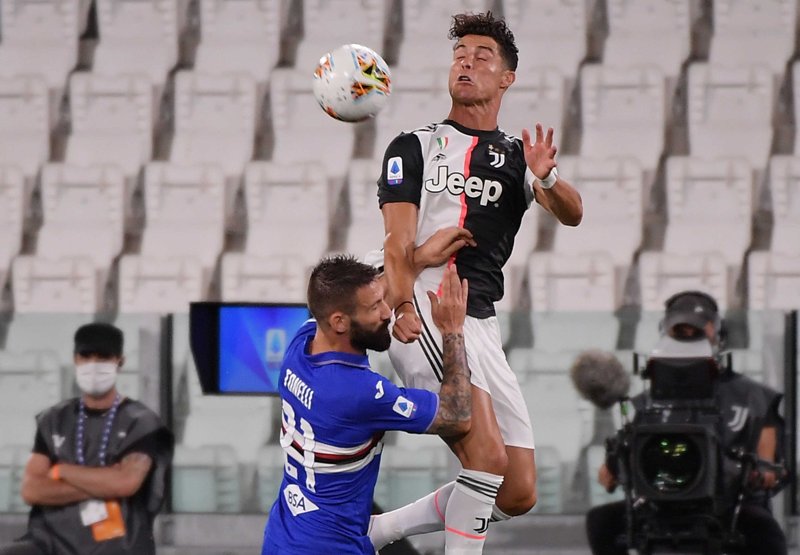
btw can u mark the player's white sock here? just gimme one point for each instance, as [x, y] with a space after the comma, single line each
[498, 515]
[469, 510]
[420, 517]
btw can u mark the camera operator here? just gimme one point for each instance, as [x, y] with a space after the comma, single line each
[749, 420]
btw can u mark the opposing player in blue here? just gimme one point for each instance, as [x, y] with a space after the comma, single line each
[336, 410]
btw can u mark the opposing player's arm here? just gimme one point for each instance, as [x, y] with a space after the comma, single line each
[38, 488]
[454, 415]
[120, 480]
[440, 246]
[559, 197]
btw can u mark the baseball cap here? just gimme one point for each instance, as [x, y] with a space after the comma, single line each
[692, 308]
[99, 338]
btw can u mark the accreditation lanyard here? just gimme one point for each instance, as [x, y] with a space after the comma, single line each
[80, 437]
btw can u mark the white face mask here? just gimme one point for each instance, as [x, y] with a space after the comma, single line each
[96, 378]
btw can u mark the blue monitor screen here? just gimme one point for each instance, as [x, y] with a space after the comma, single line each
[252, 342]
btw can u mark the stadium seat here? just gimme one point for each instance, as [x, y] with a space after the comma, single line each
[269, 474]
[112, 121]
[29, 382]
[573, 298]
[747, 32]
[706, 200]
[623, 112]
[159, 285]
[12, 469]
[537, 95]
[774, 281]
[784, 186]
[427, 46]
[560, 37]
[27, 330]
[43, 35]
[240, 36]
[63, 285]
[138, 36]
[412, 468]
[612, 191]
[13, 204]
[304, 133]
[419, 97]
[215, 120]
[24, 122]
[554, 408]
[276, 278]
[325, 22]
[632, 26]
[365, 232]
[726, 103]
[205, 480]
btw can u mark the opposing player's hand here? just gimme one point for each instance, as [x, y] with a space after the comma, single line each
[541, 154]
[407, 326]
[441, 246]
[450, 310]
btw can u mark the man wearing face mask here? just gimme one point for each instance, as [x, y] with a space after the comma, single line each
[95, 479]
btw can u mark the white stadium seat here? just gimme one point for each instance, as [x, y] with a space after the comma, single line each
[706, 200]
[24, 122]
[633, 24]
[215, 120]
[240, 36]
[427, 46]
[63, 285]
[560, 36]
[774, 281]
[205, 480]
[278, 278]
[753, 32]
[83, 213]
[612, 191]
[623, 112]
[325, 22]
[784, 186]
[42, 37]
[661, 275]
[304, 133]
[12, 216]
[159, 285]
[138, 36]
[726, 103]
[539, 97]
[112, 121]
[366, 222]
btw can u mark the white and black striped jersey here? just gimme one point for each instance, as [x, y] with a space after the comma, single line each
[459, 176]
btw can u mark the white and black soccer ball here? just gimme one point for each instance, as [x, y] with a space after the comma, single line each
[352, 83]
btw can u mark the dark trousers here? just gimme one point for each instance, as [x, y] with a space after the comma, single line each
[22, 547]
[605, 524]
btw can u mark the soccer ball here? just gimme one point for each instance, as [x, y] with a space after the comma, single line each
[352, 83]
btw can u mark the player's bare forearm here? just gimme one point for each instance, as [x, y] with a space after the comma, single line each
[562, 200]
[41, 490]
[120, 480]
[400, 224]
[455, 396]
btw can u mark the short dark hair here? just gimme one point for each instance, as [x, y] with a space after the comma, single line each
[484, 24]
[99, 338]
[334, 282]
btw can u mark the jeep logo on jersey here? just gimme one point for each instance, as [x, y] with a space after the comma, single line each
[474, 187]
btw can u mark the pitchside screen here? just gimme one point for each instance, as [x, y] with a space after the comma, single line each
[238, 348]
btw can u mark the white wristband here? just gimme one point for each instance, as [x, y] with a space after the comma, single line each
[550, 180]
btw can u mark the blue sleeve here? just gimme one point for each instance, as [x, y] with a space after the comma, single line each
[401, 176]
[380, 406]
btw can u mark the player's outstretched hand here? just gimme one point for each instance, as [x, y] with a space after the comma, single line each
[441, 246]
[449, 310]
[541, 154]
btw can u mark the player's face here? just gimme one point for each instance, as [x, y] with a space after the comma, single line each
[369, 325]
[478, 73]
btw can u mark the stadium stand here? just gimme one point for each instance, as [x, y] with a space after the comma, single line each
[24, 123]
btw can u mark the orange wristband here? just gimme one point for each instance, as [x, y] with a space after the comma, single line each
[55, 472]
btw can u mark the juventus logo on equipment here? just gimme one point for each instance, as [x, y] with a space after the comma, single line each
[483, 525]
[498, 158]
[739, 418]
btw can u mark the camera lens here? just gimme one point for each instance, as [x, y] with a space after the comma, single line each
[670, 463]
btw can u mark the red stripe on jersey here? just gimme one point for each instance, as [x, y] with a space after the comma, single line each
[463, 215]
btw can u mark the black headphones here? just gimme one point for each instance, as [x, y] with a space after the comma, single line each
[719, 324]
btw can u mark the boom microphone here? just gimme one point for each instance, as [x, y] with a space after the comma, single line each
[600, 378]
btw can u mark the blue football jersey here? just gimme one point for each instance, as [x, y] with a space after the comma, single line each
[335, 411]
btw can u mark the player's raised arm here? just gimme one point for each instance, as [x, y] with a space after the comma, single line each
[455, 396]
[552, 192]
[400, 224]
